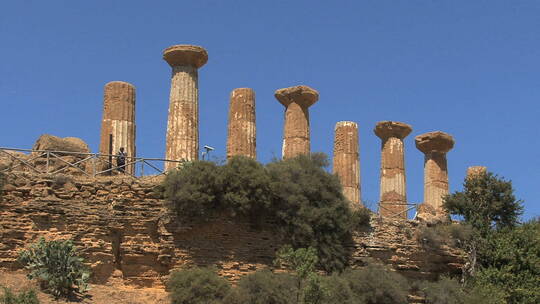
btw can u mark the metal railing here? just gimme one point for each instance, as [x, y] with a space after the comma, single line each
[392, 214]
[141, 166]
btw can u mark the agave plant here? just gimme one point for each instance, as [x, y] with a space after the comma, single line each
[56, 266]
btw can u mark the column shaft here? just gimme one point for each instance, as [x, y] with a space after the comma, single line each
[346, 160]
[119, 120]
[296, 134]
[241, 131]
[435, 180]
[183, 124]
[393, 193]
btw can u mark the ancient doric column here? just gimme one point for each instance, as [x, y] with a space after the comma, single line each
[476, 170]
[297, 101]
[435, 145]
[118, 123]
[346, 160]
[393, 187]
[183, 125]
[241, 132]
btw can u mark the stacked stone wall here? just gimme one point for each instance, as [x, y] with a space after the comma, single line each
[124, 231]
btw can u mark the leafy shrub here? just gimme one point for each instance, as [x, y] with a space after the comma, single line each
[443, 291]
[197, 285]
[444, 234]
[195, 190]
[56, 266]
[310, 208]
[23, 297]
[303, 200]
[375, 284]
[449, 291]
[264, 287]
[511, 262]
[338, 291]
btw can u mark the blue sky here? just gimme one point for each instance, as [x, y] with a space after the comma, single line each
[468, 68]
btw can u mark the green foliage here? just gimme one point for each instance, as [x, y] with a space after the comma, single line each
[23, 297]
[310, 208]
[302, 261]
[451, 234]
[197, 285]
[511, 261]
[264, 287]
[375, 284]
[487, 202]
[56, 266]
[449, 291]
[303, 200]
[195, 190]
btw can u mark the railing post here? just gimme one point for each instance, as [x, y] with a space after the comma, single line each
[47, 165]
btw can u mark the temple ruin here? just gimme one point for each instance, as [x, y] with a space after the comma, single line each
[346, 160]
[241, 129]
[118, 123]
[476, 170]
[183, 124]
[296, 136]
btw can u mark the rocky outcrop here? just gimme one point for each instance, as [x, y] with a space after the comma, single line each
[124, 231]
[53, 143]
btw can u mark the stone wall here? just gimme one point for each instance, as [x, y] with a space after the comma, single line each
[124, 231]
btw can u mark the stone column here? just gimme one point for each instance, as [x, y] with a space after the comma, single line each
[476, 170]
[393, 187]
[297, 101]
[346, 160]
[119, 120]
[183, 125]
[241, 131]
[435, 145]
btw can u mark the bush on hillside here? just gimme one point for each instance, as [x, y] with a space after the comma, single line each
[23, 297]
[375, 284]
[264, 287]
[197, 285]
[303, 200]
[56, 266]
[511, 262]
[449, 291]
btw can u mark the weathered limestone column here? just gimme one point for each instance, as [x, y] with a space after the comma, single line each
[241, 132]
[393, 195]
[119, 120]
[476, 170]
[183, 124]
[297, 101]
[435, 145]
[346, 160]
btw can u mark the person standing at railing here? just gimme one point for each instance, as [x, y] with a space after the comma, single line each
[121, 160]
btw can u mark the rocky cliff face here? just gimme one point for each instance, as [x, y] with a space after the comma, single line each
[124, 231]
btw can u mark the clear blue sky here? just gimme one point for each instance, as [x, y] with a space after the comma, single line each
[469, 68]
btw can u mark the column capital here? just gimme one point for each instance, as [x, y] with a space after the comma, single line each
[386, 129]
[434, 142]
[302, 95]
[183, 54]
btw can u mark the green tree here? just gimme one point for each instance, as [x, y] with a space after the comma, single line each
[310, 208]
[197, 285]
[56, 266]
[487, 202]
[511, 262]
[302, 262]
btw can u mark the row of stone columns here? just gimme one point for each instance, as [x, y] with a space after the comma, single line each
[182, 142]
